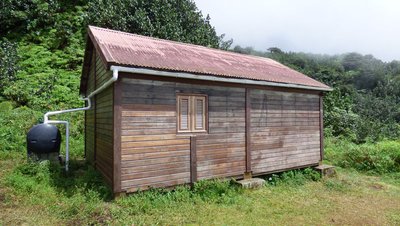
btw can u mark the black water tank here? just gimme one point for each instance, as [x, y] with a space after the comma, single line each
[43, 138]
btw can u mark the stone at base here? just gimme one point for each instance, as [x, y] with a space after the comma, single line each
[326, 170]
[252, 183]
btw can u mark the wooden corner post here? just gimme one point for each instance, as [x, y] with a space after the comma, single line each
[94, 106]
[117, 137]
[193, 160]
[321, 127]
[248, 173]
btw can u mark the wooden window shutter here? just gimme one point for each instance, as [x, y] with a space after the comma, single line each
[184, 122]
[191, 113]
[199, 113]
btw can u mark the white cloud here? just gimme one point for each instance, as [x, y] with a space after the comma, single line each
[317, 26]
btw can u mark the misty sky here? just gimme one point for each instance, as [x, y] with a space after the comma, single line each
[314, 26]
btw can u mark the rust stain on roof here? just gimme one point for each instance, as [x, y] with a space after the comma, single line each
[121, 48]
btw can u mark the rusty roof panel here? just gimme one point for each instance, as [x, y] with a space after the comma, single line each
[121, 48]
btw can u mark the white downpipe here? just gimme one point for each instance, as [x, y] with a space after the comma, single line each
[66, 139]
[89, 105]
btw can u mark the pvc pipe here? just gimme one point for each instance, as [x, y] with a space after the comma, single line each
[50, 113]
[89, 105]
[66, 140]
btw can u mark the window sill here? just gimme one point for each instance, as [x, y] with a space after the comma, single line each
[191, 134]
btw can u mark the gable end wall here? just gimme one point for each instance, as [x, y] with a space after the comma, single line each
[99, 120]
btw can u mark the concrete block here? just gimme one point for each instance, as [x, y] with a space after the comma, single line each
[252, 183]
[326, 170]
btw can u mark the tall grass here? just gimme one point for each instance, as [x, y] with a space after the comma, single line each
[381, 157]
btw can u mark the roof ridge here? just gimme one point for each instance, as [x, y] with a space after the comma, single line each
[189, 44]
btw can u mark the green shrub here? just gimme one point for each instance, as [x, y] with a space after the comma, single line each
[294, 177]
[205, 191]
[15, 123]
[216, 191]
[382, 157]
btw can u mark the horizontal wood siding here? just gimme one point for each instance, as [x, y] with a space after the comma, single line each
[102, 75]
[89, 115]
[154, 155]
[104, 124]
[221, 153]
[284, 130]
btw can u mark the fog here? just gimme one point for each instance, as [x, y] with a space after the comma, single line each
[313, 26]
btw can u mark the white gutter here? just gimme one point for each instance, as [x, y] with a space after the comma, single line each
[213, 78]
[89, 105]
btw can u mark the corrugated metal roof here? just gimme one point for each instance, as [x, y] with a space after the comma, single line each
[121, 48]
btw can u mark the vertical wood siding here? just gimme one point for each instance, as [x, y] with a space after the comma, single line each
[284, 130]
[153, 155]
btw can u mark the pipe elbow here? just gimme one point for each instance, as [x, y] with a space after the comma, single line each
[115, 73]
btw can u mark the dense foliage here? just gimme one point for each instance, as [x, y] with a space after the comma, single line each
[42, 45]
[365, 103]
[177, 20]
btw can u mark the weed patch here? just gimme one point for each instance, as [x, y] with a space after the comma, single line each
[337, 185]
[205, 191]
[380, 158]
[68, 196]
[293, 177]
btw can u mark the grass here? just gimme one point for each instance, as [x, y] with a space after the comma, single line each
[44, 195]
[366, 190]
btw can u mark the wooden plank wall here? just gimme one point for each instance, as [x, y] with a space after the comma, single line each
[104, 133]
[153, 155]
[89, 115]
[284, 130]
[99, 120]
[104, 123]
[221, 153]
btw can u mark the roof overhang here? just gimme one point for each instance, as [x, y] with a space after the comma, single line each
[184, 75]
[109, 62]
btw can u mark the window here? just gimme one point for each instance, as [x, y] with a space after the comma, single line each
[192, 113]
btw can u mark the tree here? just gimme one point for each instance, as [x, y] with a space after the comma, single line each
[21, 16]
[8, 63]
[177, 20]
[275, 50]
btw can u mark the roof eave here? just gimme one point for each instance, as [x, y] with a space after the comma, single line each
[149, 71]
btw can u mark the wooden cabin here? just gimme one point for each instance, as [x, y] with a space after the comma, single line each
[179, 113]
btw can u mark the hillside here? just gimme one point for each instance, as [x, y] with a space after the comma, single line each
[41, 52]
